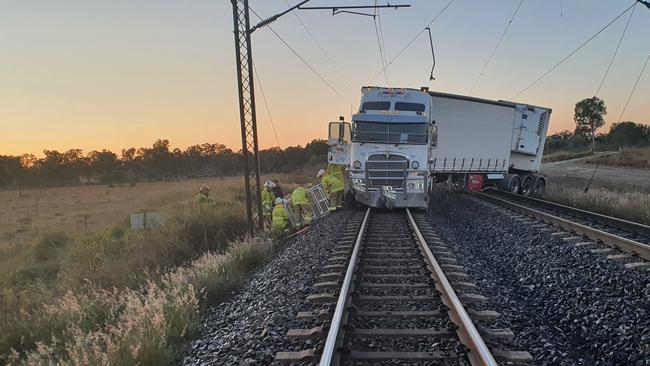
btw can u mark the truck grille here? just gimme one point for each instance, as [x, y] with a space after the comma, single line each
[385, 170]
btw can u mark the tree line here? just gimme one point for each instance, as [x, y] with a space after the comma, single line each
[589, 116]
[158, 162]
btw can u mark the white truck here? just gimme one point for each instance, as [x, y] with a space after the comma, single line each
[403, 141]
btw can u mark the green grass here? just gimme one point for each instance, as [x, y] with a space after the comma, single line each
[123, 297]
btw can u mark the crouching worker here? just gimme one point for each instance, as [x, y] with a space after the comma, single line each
[334, 189]
[301, 207]
[280, 218]
[204, 198]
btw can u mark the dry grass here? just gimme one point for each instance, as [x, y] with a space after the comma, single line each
[89, 209]
[141, 326]
[116, 296]
[632, 158]
[624, 202]
[565, 155]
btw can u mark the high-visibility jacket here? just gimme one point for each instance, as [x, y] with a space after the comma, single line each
[331, 184]
[299, 197]
[267, 202]
[280, 218]
[337, 170]
[204, 199]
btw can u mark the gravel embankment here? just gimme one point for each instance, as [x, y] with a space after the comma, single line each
[566, 305]
[251, 327]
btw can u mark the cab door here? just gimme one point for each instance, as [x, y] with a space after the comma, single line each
[339, 143]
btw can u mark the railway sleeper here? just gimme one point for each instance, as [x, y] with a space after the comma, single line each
[334, 285]
[330, 276]
[396, 314]
[307, 355]
[512, 356]
[401, 332]
[322, 314]
[326, 298]
[311, 333]
[377, 356]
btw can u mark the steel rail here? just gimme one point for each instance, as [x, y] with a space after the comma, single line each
[600, 218]
[479, 353]
[337, 319]
[643, 250]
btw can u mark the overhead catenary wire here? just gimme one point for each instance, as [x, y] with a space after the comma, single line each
[572, 53]
[380, 44]
[410, 42]
[266, 105]
[496, 47]
[383, 43]
[634, 88]
[616, 50]
[329, 85]
[322, 50]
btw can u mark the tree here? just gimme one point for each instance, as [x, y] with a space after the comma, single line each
[588, 116]
[628, 134]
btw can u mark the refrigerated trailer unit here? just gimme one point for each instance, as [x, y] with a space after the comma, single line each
[403, 141]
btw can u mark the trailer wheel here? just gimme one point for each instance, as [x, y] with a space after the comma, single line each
[514, 184]
[539, 187]
[527, 185]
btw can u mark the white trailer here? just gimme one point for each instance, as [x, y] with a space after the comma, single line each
[500, 139]
[402, 141]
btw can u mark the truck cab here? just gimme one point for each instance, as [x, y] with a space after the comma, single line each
[388, 147]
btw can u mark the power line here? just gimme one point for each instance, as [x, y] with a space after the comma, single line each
[266, 104]
[304, 61]
[318, 45]
[572, 52]
[409, 43]
[496, 47]
[616, 50]
[379, 43]
[634, 88]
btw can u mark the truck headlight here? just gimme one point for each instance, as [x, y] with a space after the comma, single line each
[415, 164]
[358, 184]
[415, 186]
[356, 164]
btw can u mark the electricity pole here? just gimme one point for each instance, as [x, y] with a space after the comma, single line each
[247, 116]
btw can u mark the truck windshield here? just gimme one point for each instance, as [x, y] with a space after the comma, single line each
[390, 133]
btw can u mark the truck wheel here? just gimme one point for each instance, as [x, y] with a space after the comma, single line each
[527, 185]
[539, 186]
[512, 183]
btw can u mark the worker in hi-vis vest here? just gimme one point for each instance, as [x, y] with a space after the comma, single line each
[334, 189]
[301, 207]
[280, 217]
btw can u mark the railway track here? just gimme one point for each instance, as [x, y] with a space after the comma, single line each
[588, 228]
[395, 295]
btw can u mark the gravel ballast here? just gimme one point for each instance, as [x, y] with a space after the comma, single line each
[251, 327]
[566, 305]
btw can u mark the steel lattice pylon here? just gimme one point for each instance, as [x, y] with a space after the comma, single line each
[248, 119]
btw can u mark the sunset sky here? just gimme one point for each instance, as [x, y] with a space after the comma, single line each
[94, 74]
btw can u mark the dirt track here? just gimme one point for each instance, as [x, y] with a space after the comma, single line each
[608, 175]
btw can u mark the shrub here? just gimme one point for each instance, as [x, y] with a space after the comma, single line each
[141, 326]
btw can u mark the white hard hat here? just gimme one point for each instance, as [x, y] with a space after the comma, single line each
[279, 200]
[269, 184]
[321, 173]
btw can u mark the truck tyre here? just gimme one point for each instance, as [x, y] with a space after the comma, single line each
[511, 183]
[527, 185]
[539, 186]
